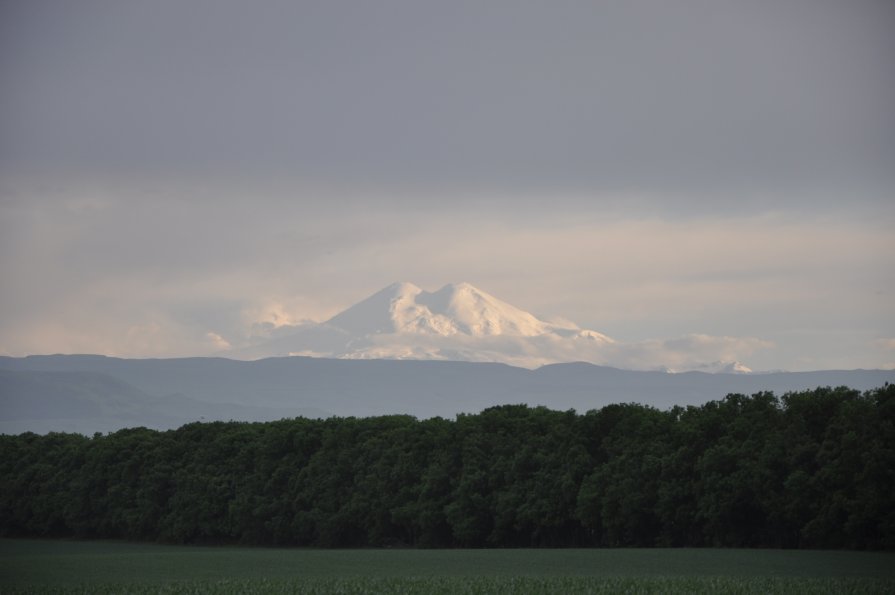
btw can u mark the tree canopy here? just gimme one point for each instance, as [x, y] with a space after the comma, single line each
[808, 469]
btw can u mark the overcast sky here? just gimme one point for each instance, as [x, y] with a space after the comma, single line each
[172, 173]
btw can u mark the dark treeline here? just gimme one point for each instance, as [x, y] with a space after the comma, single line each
[810, 469]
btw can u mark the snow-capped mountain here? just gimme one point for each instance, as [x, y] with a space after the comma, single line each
[457, 322]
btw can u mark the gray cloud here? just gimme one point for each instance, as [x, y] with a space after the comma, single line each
[694, 98]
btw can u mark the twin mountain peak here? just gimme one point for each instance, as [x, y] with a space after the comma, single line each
[455, 309]
[457, 322]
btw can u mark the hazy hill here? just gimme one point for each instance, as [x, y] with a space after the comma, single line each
[86, 401]
[106, 393]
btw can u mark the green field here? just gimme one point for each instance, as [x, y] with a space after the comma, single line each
[116, 567]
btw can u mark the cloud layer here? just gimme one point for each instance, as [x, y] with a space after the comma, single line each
[147, 277]
[695, 98]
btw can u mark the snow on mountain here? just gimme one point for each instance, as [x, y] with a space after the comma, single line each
[455, 309]
[470, 311]
[386, 311]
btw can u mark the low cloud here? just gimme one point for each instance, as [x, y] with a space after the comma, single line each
[217, 341]
[690, 352]
[78, 281]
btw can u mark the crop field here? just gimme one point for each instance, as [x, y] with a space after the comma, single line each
[44, 566]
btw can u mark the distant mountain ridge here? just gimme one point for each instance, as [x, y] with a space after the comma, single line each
[88, 393]
[85, 401]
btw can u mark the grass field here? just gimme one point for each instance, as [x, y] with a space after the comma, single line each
[28, 566]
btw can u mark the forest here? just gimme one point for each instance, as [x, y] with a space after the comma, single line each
[810, 469]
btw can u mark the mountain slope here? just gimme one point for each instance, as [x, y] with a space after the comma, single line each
[74, 397]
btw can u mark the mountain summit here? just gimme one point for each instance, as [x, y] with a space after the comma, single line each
[457, 322]
[455, 309]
